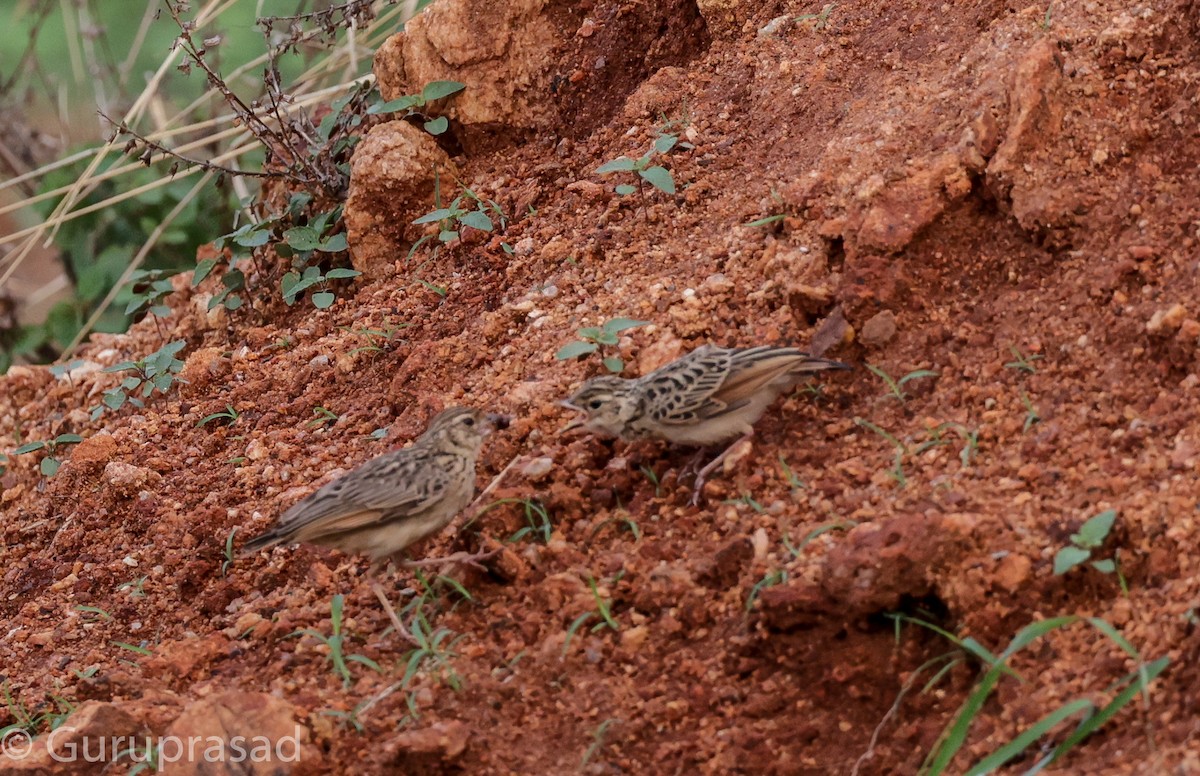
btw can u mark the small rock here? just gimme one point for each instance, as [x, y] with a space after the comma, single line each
[1167, 320]
[773, 26]
[445, 741]
[879, 330]
[538, 468]
[126, 480]
[260, 720]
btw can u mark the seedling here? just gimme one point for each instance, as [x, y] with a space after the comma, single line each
[794, 482]
[135, 587]
[772, 578]
[652, 475]
[656, 175]
[748, 500]
[1092, 718]
[1091, 537]
[230, 415]
[335, 642]
[603, 610]
[93, 613]
[592, 339]
[623, 520]
[467, 209]
[597, 741]
[50, 462]
[434, 90]
[229, 556]
[377, 339]
[323, 418]
[59, 370]
[156, 372]
[1031, 413]
[820, 20]
[150, 287]
[536, 517]
[894, 386]
[901, 450]
[836, 525]
[767, 220]
[1022, 362]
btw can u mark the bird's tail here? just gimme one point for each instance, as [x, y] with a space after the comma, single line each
[261, 542]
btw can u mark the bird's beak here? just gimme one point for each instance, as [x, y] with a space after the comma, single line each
[498, 422]
[576, 423]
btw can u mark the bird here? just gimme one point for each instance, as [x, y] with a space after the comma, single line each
[705, 398]
[393, 500]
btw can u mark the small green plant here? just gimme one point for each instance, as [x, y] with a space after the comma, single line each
[767, 220]
[1046, 17]
[323, 417]
[434, 90]
[92, 613]
[597, 740]
[376, 340]
[134, 587]
[30, 721]
[772, 578]
[592, 339]
[622, 520]
[652, 476]
[820, 20]
[748, 500]
[156, 372]
[229, 556]
[900, 449]
[1031, 413]
[895, 386]
[1022, 362]
[336, 641]
[836, 525]
[467, 209]
[603, 611]
[794, 482]
[144, 757]
[1091, 537]
[537, 519]
[656, 175]
[1091, 717]
[150, 287]
[50, 462]
[229, 415]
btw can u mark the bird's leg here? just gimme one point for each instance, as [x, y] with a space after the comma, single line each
[465, 558]
[702, 475]
[403, 632]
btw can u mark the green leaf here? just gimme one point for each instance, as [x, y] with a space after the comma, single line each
[437, 126]
[1068, 558]
[366, 661]
[665, 143]
[233, 302]
[1043, 726]
[203, 268]
[477, 220]
[620, 164]
[334, 244]
[621, 324]
[253, 239]
[50, 466]
[573, 349]
[323, 299]
[114, 400]
[447, 235]
[302, 238]
[606, 338]
[625, 189]
[613, 364]
[589, 332]
[68, 439]
[1095, 530]
[129, 383]
[917, 375]
[29, 447]
[767, 220]
[391, 106]
[436, 90]
[341, 273]
[659, 178]
[441, 214]
[1106, 566]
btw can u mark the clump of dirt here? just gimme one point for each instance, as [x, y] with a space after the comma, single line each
[1000, 196]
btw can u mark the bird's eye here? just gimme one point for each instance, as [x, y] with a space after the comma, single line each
[595, 404]
[469, 421]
